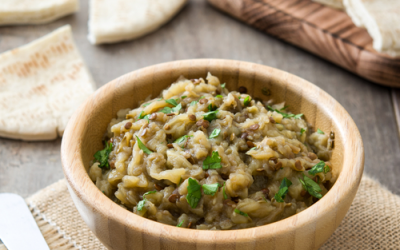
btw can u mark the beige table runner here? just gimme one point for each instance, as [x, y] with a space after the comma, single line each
[373, 221]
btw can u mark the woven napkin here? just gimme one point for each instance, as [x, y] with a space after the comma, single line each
[373, 221]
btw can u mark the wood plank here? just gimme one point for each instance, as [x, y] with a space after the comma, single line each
[314, 27]
[200, 31]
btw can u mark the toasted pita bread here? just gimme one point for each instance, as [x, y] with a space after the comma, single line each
[35, 11]
[382, 20]
[112, 21]
[337, 4]
[41, 85]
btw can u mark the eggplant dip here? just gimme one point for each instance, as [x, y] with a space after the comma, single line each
[202, 157]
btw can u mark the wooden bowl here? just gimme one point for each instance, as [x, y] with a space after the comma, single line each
[118, 228]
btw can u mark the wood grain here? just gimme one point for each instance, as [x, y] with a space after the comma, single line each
[118, 228]
[324, 31]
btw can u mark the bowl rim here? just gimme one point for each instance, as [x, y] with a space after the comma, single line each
[346, 184]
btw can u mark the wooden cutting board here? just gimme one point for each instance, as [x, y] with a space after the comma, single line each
[324, 31]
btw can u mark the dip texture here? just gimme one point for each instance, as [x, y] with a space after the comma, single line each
[202, 157]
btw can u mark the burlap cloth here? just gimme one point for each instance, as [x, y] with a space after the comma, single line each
[373, 221]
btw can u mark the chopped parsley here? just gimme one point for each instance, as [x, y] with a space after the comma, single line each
[326, 169]
[285, 115]
[182, 139]
[247, 101]
[183, 97]
[212, 107]
[302, 130]
[193, 103]
[223, 85]
[172, 102]
[215, 133]
[213, 162]
[180, 224]
[317, 168]
[311, 187]
[283, 189]
[143, 147]
[241, 213]
[219, 96]
[209, 116]
[102, 156]
[177, 108]
[141, 203]
[146, 104]
[224, 192]
[210, 189]
[142, 115]
[319, 131]
[194, 193]
[166, 110]
[253, 148]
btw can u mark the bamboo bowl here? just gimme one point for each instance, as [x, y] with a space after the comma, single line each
[118, 228]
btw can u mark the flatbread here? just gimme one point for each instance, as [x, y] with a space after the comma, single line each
[112, 21]
[41, 85]
[382, 20]
[337, 4]
[35, 11]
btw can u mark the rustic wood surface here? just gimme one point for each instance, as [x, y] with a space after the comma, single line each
[200, 31]
[324, 31]
[118, 228]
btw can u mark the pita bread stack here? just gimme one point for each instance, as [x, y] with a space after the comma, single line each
[112, 21]
[337, 4]
[41, 85]
[382, 20]
[35, 11]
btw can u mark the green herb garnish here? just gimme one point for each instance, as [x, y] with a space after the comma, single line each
[146, 104]
[180, 224]
[177, 108]
[224, 192]
[213, 162]
[212, 107]
[183, 97]
[285, 115]
[193, 103]
[219, 96]
[215, 133]
[143, 147]
[319, 131]
[209, 116]
[210, 189]
[247, 101]
[253, 148]
[326, 169]
[317, 168]
[241, 213]
[102, 156]
[166, 110]
[141, 203]
[182, 139]
[302, 130]
[311, 187]
[141, 115]
[172, 102]
[194, 193]
[223, 85]
[283, 189]
[284, 108]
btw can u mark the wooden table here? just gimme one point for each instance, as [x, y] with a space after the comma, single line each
[199, 31]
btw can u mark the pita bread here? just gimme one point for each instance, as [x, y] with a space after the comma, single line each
[35, 11]
[337, 4]
[112, 21]
[41, 85]
[382, 20]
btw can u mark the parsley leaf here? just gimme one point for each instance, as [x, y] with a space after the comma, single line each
[194, 193]
[209, 116]
[141, 115]
[212, 107]
[241, 213]
[326, 169]
[210, 189]
[223, 85]
[319, 131]
[193, 103]
[215, 133]
[247, 101]
[183, 97]
[143, 147]
[253, 148]
[146, 104]
[224, 192]
[166, 110]
[283, 189]
[219, 96]
[302, 130]
[177, 108]
[182, 139]
[285, 115]
[172, 102]
[317, 168]
[213, 162]
[180, 224]
[284, 108]
[141, 203]
[311, 187]
[102, 156]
